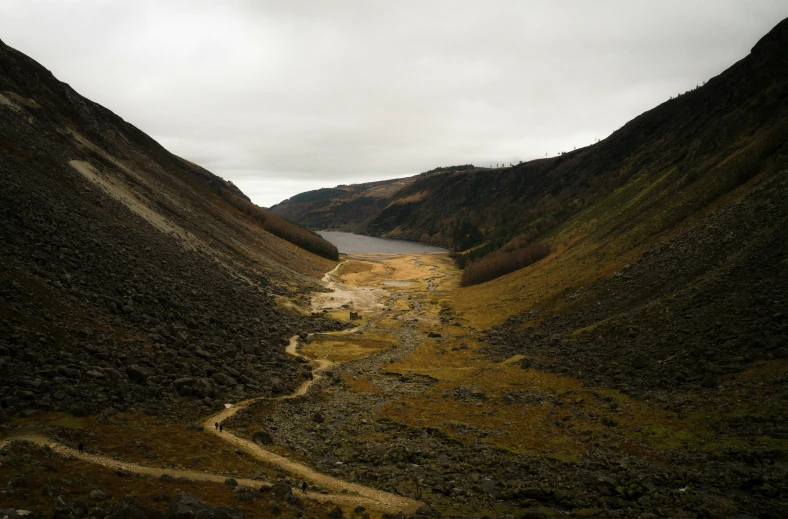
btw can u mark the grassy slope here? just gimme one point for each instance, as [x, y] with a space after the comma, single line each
[731, 127]
[616, 230]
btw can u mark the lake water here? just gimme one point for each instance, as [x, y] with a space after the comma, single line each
[349, 243]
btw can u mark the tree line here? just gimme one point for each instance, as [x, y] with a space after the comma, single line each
[502, 262]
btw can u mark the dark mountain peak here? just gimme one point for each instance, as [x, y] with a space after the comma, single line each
[775, 41]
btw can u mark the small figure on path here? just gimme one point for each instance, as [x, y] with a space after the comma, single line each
[221, 426]
[80, 447]
[216, 424]
[303, 487]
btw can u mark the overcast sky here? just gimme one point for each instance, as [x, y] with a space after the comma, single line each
[285, 96]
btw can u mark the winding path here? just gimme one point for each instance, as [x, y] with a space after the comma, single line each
[341, 492]
[112, 464]
[351, 492]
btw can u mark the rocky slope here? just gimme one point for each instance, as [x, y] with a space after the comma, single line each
[131, 278]
[685, 315]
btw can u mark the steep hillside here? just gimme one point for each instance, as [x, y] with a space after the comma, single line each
[341, 208]
[677, 278]
[719, 136]
[132, 277]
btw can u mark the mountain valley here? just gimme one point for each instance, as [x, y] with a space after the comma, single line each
[168, 349]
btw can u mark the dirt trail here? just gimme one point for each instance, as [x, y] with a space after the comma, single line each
[342, 492]
[109, 463]
[352, 493]
[322, 364]
[361, 298]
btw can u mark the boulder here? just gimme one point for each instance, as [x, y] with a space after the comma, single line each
[532, 493]
[187, 506]
[224, 379]
[263, 437]
[280, 490]
[137, 374]
[204, 387]
[98, 495]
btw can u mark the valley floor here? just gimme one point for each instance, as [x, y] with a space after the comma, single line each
[408, 411]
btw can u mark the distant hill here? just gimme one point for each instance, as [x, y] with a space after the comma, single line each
[130, 276]
[341, 208]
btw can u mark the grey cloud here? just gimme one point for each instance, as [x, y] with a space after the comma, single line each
[281, 97]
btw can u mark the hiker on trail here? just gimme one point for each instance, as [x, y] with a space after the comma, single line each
[221, 426]
[80, 447]
[216, 424]
[303, 486]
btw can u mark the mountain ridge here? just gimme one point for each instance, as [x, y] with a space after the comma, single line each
[479, 212]
[342, 208]
[125, 267]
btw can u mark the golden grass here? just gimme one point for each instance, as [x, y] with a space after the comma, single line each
[412, 199]
[409, 267]
[359, 384]
[354, 271]
[571, 417]
[400, 305]
[347, 347]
